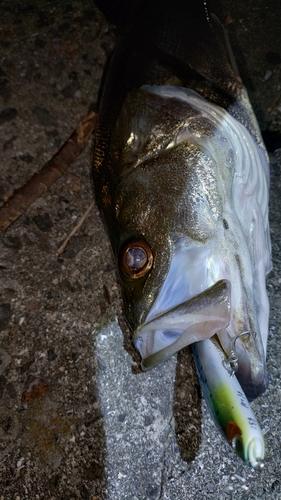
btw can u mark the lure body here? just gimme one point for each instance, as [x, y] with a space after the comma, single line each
[228, 403]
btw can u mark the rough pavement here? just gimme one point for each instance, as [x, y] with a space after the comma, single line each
[63, 368]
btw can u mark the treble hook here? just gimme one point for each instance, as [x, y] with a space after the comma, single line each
[231, 363]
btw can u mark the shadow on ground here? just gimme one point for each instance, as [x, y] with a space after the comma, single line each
[187, 406]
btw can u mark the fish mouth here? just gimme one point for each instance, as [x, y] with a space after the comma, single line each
[193, 305]
[206, 315]
[196, 319]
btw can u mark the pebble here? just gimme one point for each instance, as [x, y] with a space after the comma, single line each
[275, 486]
[122, 417]
[5, 90]
[211, 487]
[39, 203]
[12, 242]
[51, 355]
[267, 75]
[52, 133]
[69, 91]
[148, 419]
[9, 144]
[26, 158]
[43, 116]
[43, 222]
[3, 382]
[75, 246]
[11, 390]
[36, 390]
[20, 462]
[7, 115]
[5, 360]
[5, 315]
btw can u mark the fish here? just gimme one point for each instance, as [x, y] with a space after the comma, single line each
[181, 178]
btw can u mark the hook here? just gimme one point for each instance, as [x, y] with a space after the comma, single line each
[231, 363]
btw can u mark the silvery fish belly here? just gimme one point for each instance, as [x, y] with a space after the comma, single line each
[181, 178]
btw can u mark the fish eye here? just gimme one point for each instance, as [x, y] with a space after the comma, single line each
[135, 259]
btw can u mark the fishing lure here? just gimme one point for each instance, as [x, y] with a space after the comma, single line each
[227, 402]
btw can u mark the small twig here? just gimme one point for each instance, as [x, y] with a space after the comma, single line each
[74, 230]
[40, 182]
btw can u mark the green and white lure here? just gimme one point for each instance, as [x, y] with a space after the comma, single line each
[228, 403]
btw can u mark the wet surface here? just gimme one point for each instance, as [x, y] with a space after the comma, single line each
[52, 433]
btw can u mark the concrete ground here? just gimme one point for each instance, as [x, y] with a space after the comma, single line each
[77, 419]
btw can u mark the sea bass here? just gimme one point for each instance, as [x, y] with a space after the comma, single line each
[181, 178]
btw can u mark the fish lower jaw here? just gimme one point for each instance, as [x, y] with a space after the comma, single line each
[196, 319]
[155, 346]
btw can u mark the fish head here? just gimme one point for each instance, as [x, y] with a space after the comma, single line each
[166, 245]
[184, 261]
